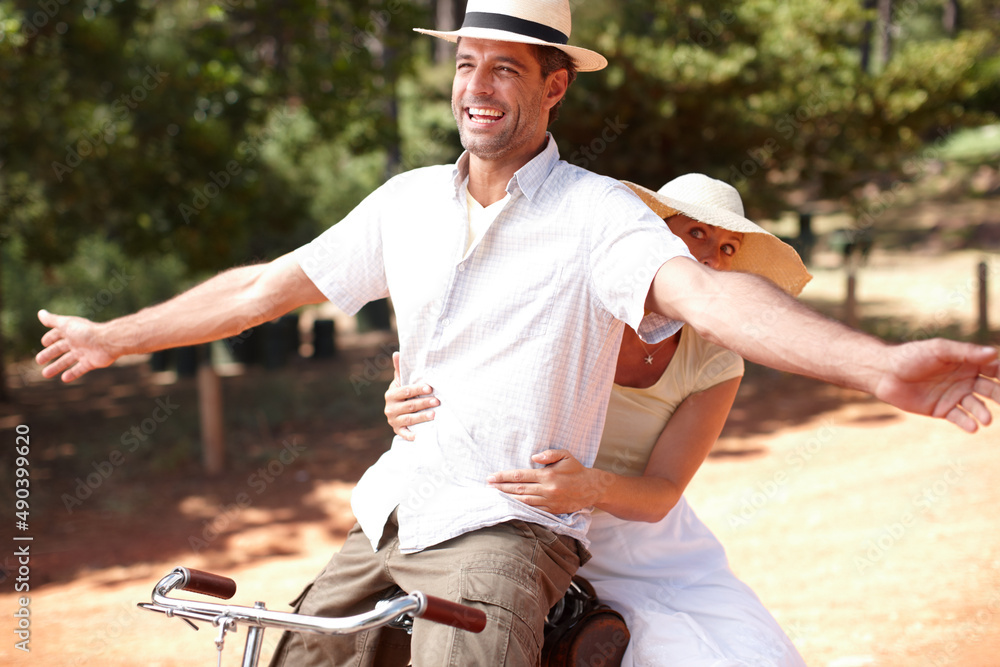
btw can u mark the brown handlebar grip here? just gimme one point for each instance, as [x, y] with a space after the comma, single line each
[207, 583]
[454, 614]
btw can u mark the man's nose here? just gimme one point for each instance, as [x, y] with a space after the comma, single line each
[480, 83]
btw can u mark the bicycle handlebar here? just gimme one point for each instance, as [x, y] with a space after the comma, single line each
[452, 613]
[207, 583]
[416, 604]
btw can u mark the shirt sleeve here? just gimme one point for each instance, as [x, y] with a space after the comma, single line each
[629, 244]
[346, 262]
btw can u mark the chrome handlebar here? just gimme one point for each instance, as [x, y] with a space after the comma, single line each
[385, 612]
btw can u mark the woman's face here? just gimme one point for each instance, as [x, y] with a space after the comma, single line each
[712, 246]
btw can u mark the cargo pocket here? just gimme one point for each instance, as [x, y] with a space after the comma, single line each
[505, 586]
[282, 647]
[296, 604]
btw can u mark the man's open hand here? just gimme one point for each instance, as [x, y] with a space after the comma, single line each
[943, 378]
[72, 347]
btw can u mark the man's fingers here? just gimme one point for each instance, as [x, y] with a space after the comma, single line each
[51, 336]
[47, 318]
[61, 364]
[52, 352]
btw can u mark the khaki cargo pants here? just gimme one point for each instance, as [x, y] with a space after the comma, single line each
[513, 571]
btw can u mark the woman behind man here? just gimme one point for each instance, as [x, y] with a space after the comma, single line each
[653, 560]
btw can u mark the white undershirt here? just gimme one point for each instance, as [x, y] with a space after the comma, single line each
[480, 217]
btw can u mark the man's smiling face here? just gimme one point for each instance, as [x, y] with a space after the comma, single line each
[498, 98]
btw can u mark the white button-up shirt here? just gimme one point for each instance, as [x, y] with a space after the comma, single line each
[518, 335]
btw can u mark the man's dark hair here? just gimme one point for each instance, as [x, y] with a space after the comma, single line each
[552, 60]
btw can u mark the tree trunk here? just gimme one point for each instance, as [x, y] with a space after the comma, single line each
[866, 38]
[213, 433]
[952, 17]
[449, 14]
[885, 20]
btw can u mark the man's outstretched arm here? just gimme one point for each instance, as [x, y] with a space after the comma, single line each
[752, 317]
[223, 306]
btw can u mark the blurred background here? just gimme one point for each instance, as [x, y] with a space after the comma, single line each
[146, 145]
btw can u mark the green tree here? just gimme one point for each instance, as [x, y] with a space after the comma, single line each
[771, 95]
[168, 128]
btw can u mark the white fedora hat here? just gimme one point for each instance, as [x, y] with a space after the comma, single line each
[717, 203]
[544, 22]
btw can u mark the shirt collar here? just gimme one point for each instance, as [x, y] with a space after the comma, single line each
[528, 179]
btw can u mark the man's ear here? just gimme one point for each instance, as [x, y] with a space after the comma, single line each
[555, 88]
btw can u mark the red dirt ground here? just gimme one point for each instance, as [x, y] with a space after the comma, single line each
[870, 534]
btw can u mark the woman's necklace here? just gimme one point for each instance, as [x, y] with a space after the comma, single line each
[649, 355]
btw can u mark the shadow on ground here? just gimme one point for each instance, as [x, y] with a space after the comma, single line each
[115, 467]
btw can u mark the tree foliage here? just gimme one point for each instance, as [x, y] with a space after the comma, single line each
[770, 95]
[149, 122]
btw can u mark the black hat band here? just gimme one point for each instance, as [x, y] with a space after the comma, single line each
[515, 25]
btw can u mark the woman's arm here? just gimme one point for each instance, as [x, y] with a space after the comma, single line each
[564, 485]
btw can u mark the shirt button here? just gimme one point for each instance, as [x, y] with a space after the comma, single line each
[446, 322]
[461, 267]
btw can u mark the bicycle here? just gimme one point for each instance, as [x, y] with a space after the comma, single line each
[397, 611]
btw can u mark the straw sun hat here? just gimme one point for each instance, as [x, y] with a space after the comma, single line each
[718, 204]
[544, 22]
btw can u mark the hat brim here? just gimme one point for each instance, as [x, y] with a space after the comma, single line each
[584, 59]
[761, 252]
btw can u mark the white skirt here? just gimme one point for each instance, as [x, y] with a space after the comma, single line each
[683, 605]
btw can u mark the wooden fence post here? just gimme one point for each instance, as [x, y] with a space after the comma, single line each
[983, 330]
[213, 437]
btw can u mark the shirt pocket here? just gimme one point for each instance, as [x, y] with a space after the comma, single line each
[525, 302]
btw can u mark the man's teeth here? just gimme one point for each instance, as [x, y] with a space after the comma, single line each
[493, 113]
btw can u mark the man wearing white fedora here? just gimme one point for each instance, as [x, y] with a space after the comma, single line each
[514, 271]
